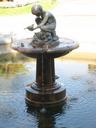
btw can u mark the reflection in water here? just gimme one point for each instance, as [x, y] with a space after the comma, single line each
[78, 112]
[11, 69]
[46, 119]
[92, 67]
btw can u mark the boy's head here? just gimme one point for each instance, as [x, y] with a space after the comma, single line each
[37, 10]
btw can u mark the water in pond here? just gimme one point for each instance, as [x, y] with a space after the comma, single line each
[78, 112]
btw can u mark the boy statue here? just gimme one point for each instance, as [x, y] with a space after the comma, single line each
[46, 22]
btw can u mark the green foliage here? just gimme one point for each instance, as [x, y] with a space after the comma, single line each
[48, 4]
[15, 11]
[11, 69]
[14, 58]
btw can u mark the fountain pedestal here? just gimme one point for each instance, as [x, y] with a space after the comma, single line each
[45, 91]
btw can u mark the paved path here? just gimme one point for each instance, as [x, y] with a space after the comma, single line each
[76, 19]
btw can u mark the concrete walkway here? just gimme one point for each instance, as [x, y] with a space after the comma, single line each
[76, 19]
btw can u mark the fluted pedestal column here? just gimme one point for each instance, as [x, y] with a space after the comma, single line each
[45, 92]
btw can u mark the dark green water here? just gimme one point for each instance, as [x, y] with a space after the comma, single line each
[79, 111]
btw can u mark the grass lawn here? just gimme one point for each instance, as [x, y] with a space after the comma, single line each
[48, 4]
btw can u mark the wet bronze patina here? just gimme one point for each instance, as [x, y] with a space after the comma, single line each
[45, 46]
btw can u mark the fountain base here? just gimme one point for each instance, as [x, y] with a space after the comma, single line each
[41, 97]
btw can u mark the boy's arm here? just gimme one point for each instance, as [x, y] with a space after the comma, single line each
[31, 28]
[44, 21]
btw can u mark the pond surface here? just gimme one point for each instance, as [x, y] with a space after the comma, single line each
[79, 111]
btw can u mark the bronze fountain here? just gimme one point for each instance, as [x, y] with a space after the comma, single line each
[45, 46]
